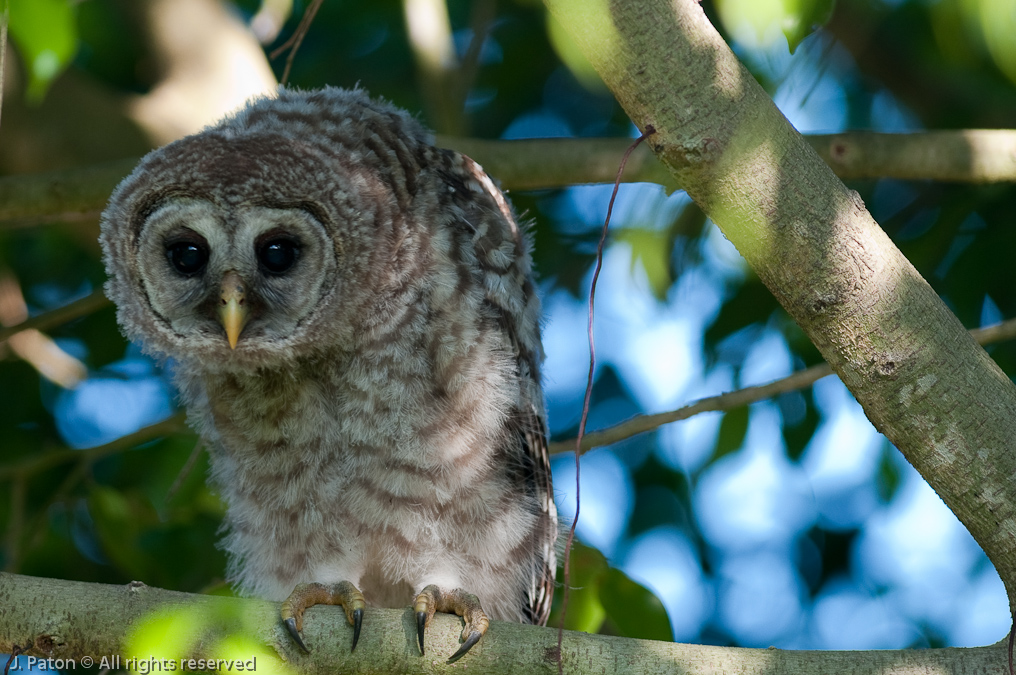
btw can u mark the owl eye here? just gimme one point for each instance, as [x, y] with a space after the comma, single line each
[188, 258]
[277, 256]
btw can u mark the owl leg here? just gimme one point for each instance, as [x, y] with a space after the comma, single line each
[308, 595]
[432, 599]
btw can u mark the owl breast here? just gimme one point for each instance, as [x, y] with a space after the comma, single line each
[355, 333]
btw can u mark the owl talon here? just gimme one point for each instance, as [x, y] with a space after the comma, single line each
[421, 625]
[357, 622]
[294, 632]
[432, 599]
[473, 638]
[308, 595]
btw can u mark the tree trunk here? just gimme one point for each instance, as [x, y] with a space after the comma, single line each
[920, 377]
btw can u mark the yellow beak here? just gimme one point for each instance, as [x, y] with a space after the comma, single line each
[232, 308]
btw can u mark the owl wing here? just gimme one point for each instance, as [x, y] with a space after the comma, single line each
[502, 253]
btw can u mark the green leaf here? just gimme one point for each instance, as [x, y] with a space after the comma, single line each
[219, 630]
[802, 17]
[798, 433]
[585, 612]
[46, 34]
[887, 480]
[119, 519]
[733, 429]
[761, 21]
[652, 249]
[752, 303]
[633, 608]
[572, 56]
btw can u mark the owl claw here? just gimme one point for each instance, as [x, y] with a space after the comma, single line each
[432, 599]
[357, 622]
[421, 625]
[308, 595]
[473, 638]
[294, 632]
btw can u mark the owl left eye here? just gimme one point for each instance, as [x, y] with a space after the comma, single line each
[187, 257]
[277, 256]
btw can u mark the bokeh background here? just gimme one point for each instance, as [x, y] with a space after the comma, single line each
[791, 522]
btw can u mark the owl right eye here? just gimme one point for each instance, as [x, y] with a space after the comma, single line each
[187, 258]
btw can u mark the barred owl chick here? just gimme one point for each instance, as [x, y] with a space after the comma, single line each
[356, 338]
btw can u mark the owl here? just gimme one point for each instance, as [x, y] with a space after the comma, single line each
[353, 328]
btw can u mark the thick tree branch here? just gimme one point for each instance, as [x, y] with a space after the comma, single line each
[64, 196]
[70, 620]
[920, 377]
[971, 156]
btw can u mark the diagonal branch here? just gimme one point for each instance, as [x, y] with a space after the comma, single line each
[640, 424]
[921, 378]
[59, 316]
[36, 463]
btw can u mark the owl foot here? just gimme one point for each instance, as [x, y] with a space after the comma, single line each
[308, 595]
[432, 599]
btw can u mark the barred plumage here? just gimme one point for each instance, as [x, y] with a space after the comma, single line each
[380, 420]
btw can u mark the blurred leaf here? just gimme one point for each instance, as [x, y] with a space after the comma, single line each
[657, 506]
[888, 476]
[652, 249]
[733, 429]
[219, 630]
[802, 17]
[998, 25]
[119, 519]
[633, 608]
[762, 21]
[47, 37]
[753, 303]
[585, 612]
[572, 56]
[797, 432]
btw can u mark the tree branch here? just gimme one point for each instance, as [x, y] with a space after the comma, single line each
[41, 462]
[964, 156]
[71, 620]
[920, 377]
[735, 399]
[971, 156]
[59, 316]
[71, 195]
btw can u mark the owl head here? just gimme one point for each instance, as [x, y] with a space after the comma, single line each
[268, 234]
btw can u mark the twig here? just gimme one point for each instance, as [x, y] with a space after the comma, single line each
[56, 317]
[296, 39]
[483, 15]
[38, 524]
[16, 524]
[3, 49]
[15, 651]
[803, 378]
[589, 391]
[37, 463]
[188, 466]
